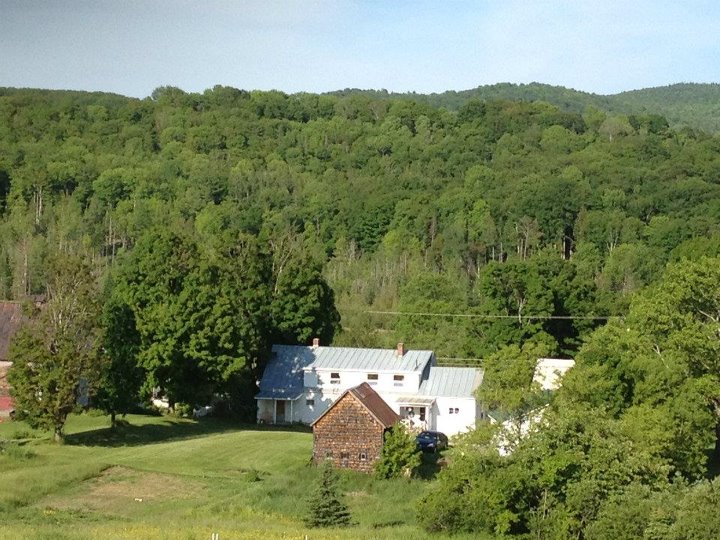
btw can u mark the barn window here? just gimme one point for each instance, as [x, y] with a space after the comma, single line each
[450, 411]
[310, 402]
[344, 455]
[372, 377]
[363, 456]
[334, 378]
[398, 380]
[457, 410]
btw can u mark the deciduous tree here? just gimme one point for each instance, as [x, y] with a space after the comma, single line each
[55, 355]
[400, 455]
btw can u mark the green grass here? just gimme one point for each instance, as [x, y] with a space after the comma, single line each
[159, 477]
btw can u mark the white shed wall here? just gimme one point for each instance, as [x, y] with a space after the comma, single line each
[460, 422]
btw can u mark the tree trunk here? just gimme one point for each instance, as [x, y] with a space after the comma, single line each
[113, 422]
[58, 435]
[716, 453]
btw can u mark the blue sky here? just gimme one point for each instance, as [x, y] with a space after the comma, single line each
[132, 46]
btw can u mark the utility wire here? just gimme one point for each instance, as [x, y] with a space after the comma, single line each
[489, 316]
[454, 361]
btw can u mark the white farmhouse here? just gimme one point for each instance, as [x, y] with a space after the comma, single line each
[300, 383]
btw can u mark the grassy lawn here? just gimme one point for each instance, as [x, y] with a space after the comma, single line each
[159, 477]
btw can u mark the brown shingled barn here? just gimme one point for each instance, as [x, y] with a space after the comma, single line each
[351, 432]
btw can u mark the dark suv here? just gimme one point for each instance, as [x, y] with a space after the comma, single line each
[431, 441]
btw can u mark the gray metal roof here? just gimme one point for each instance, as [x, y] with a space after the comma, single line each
[283, 375]
[451, 382]
[350, 358]
[280, 393]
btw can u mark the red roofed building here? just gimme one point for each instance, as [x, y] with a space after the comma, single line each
[7, 405]
[351, 432]
[10, 321]
[6, 402]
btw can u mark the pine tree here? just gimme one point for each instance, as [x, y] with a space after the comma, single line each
[327, 508]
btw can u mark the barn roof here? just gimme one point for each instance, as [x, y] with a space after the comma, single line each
[458, 382]
[372, 401]
[10, 321]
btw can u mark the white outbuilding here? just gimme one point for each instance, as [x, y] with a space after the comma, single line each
[550, 371]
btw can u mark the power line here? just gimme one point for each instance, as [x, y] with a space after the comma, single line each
[459, 362]
[489, 316]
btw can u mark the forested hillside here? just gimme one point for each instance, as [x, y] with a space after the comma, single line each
[565, 98]
[518, 210]
[693, 105]
[684, 105]
[175, 238]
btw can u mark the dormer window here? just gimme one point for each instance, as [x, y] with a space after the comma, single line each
[334, 378]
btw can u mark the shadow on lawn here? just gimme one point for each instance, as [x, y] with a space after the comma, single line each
[168, 429]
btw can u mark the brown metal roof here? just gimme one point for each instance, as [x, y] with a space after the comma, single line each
[10, 321]
[372, 401]
[375, 404]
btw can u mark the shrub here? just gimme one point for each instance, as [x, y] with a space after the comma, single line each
[21, 434]
[15, 452]
[400, 456]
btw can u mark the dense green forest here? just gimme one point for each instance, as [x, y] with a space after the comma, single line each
[689, 105]
[628, 447]
[518, 210]
[182, 234]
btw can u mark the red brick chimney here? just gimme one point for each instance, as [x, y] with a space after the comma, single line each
[400, 352]
[316, 342]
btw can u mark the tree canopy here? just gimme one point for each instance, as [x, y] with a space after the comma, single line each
[55, 355]
[624, 445]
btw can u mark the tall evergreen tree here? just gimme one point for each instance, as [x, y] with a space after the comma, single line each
[326, 507]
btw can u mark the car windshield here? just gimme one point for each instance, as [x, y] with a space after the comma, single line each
[426, 435]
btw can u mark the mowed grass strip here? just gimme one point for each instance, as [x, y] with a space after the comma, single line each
[160, 477]
[222, 454]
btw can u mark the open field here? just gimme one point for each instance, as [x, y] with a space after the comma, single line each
[160, 477]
